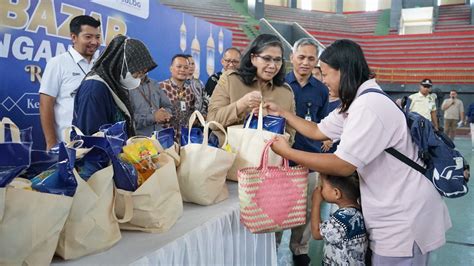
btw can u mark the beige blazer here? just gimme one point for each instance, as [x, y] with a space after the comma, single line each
[230, 88]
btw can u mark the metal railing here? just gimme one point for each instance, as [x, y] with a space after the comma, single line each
[414, 75]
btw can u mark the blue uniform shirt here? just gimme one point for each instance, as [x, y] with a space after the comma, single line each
[311, 100]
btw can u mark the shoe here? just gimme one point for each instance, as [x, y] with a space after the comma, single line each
[301, 260]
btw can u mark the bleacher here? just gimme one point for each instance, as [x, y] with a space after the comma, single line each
[447, 55]
[217, 12]
[362, 23]
[454, 18]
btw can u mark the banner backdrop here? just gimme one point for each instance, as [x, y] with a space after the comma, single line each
[33, 31]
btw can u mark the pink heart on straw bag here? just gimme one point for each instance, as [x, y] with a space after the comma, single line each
[277, 205]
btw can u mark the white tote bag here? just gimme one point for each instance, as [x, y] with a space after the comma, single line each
[157, 204]
[249, 144]
[30, 224]
[91, 226]
[203, 168]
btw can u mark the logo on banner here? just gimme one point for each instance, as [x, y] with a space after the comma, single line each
[28, 103]
[139, 8]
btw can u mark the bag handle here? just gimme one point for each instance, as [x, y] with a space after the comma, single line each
[175, 156]
[192, 119]
[76, 145]
[14, 130]
[206, 133]
[260, 118]
[68, 130]
[3, 198]
[264, 159]
[128, 213]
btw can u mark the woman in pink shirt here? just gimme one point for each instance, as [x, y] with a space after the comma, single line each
[405, 216]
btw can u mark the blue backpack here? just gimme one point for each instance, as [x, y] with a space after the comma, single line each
[444, 165]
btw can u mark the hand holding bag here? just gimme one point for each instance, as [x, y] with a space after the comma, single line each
[272, 198]
[249, 144]
[204, 168]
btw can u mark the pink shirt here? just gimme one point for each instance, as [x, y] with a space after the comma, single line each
[399, 204]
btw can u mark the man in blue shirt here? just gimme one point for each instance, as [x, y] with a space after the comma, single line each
[311, 98]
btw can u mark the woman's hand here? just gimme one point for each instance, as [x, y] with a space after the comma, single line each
[280, 146]
[273, 109]
[249, 101]
[326, 146]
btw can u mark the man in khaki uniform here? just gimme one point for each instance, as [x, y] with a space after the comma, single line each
[453, 113]
[423, 103]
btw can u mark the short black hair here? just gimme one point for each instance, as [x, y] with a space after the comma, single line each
[185, 56]
[347, 57]
[348, 185]
[77, 22]
[248, 71]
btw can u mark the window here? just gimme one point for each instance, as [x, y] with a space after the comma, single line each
[306, 5]
[371, 5]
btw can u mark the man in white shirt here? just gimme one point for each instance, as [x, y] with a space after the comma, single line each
[63, 74]
[424, 103]
[453, 113]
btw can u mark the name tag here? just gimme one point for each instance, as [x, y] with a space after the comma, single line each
[182, 105]
[307, 118]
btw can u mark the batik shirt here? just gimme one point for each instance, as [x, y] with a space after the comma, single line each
[181, 113]
[202, 99]
[345, 238]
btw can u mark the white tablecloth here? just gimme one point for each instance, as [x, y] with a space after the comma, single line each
[210, 235]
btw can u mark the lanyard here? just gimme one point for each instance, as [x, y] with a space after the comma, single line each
[77, 63]
[148, 100]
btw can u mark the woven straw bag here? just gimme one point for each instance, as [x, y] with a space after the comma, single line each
[272, 198]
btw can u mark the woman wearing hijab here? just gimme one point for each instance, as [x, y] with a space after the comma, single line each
[102, 98]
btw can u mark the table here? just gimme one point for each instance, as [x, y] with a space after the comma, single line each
[204, 235]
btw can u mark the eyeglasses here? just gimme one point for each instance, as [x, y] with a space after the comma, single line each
[268, 59]
[230, 61]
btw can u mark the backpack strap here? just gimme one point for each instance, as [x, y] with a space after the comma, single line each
[400, 156]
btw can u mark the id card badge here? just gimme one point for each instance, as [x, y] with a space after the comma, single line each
[182, 105]
[308, 118]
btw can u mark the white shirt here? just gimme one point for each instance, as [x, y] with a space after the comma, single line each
[399, 204]
[63, 74]
[422, 104]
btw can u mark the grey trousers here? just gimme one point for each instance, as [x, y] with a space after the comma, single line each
[300, 236]
[418, 259]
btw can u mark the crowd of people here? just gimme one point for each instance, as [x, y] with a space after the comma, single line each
[339, 134]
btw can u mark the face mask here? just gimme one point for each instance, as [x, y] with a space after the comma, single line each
[129, 82]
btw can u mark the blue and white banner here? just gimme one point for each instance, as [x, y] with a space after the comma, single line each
[33, 31]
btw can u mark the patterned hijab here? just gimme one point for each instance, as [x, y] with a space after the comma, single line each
[109, 67]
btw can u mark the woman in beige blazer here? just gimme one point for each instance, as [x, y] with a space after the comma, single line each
[260, 77]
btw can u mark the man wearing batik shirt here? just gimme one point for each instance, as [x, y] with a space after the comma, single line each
[180, 93]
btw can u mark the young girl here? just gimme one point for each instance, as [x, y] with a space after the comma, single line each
[344, 235]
